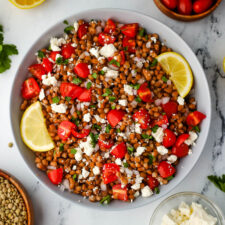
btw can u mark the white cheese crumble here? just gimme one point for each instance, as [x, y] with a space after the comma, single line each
[122, 102]
[111, 73]
[96, 170]
[146, 192]
[180, 100]
[41, 94]
[148, 44]
[139, 151]
[60, 108]
[74, 167]
[139, 62]
[87, 146]
[94, 52]
[49, 80]
[85, 173]
[76, 26]
[87, 117]
[192, 138]
[153, 39]
[55, 43]
[158, 135]
[133, 73]
[138, 129]
[118, 161]
[128, 89]
[78, 155]
[108, 50]
[172, 159]
[162, 150]
[99, 119]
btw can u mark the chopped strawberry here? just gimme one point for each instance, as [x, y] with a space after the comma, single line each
[114, 116]
[67, 51]
[120, 150]
[142, 116]
[110, 26]
[47, 65]
[130, 30]
[37, 70]
[145, 93]
[120, 192]
[82, 30]
[169, 138]
[104, 38]
[165, 169]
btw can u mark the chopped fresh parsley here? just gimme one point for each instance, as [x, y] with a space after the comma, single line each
[66, 22]
[106, 200]
[135, 86]
[68, 98]
[156, 190]
[60, 61]
[219, 182]
[73, 151]
[113, 107]
[164, 79]
[112, 98]
[146, 37]
[114, 62]
[146, 136]
[102, 72]
[170, 178]
[155, 128]
[126, 165]
[92, 106]
[151, 159]
[107, 92]
[138, 99]
[41, 54]
[94, 75]
[196, 128]
[55, 100]
[76, 80]
[94, 139]
[141, 32]
[108, 128]
[78, 113]
[130, 150]
[61, 147]
[126, 48]
[75, 120]
[74, 176]
[154, 63]
[96, 126]
[89, 85]
[68, 29]
[118, 130]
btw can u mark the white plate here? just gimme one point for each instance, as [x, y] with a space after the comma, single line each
[172, 40]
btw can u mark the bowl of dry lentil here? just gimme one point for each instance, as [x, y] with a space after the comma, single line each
[96, 174]
[15, 205]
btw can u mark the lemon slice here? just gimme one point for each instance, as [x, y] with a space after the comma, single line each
[33, 129]
[179, 70]
[26, 4]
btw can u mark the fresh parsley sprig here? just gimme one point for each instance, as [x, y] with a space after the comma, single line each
[219, 182]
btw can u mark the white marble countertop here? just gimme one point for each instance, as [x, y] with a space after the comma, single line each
[207, 39]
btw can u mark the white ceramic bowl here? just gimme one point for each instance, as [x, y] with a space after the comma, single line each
[172, 40]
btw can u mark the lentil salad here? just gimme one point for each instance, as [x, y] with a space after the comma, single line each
[118, 122]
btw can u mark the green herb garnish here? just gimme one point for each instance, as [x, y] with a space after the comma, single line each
[114, 62]
[94, 75]
[108, 128]
[126, 165]
[170, 178]
[219, 182]
[151, 159]
[96, 126]
[130, 150]
[118, 130]
[106, 199]
[155, 128]
[156, 190]
[141, 32]
[68, 29]
[55, 100]
[125, 48]
[112, 98]
[146, 37]
[196, 128]
[135, 86]
[102, 72]
[66, 22]
[94, 139]
[68, 98]
[75, 120]
[61, 147]
[41, 54]
[113, 107]
[60, 61]
[107, 92]
[73, 151]
[92, 106]
[164, 79]
[76, 80]
[74, 177]
[89, 85]
[154, 63]
[145, 136]
[138, 99]
[78, 113]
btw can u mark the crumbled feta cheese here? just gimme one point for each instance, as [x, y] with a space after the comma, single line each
[108, 50]
[87, 146]
[99, 119]
[87, 117]
[148, 44]
[78, 155]
[74, 45]
[133, 73]
[122, 135]
[136, 186]
[138, 129]
[190, 152]
[136, 194]
[139, 62]
[41, 94]
[55, 43]
[180, 100]
[192, 138]
[94, 52]
[106, 156]
[112, 73]
[76, 26]
[162, 150]
[100, 58]
[74, 167]
[49, 80]
[139, 151]
[128, 89]
[154, 39]
[122, 102]
[90, 69]
[96, 170]
[118, 161]
[146, 192]
[158, 135]
[60, 108]
[85, 173]
[172, 158]
[83, 104]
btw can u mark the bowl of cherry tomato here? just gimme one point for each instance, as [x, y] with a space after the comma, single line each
[187, 10]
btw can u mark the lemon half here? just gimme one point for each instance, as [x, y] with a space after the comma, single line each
[26, 4]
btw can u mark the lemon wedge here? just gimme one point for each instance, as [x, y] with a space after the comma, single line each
[26, 4]
[179, 70]
[33, 129]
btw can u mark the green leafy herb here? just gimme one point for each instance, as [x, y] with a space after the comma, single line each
[78, 113]
[75, 120]
[146, 37]
[76, 80]
[6, 50]
[113, 107]
[163, 113]
[68, 98]
[114, 62]
[94, 75]
[135, 86]
[170, 178]
[125, 48]
[96, 126]
[112, 98]
[196, 128]
[130, 150]
[126, 165]
[145, 136]
[41, 54]
[73, 151]
[94, 139]
[66, 61]
[154, 63]
[66, 22]
[141, 32]
[89, 85]
[138, 99]
[164, 79]
[60, 61]
[118, 130]
[55, 100]
[219, 182]
[92, 106]
[102, 72]
[68, 29]
[155, 128]
[61, 147]
[151, 159]
[108, 128]
[106, 200]
[107, 92]
[156, 190]
[74, 176]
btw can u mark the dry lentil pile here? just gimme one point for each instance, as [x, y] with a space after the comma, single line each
[113, 113]
[12, 207]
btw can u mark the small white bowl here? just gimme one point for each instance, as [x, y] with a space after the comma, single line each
[174, 201]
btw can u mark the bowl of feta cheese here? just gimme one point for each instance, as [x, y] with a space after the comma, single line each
[187, 208]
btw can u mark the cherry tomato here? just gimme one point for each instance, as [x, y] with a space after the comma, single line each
[114, 116]
[82, 134]
[145, 93]
[142, 116]
[53, 55]
[120, 192]
[110, 26]
[55, 176]
[201, 6]
[170, 108]
[130, 44]
[152, 182]
[82, 30]
[30, 88]
[103, 145]
[181, 139]
[67, 51]
[47, 65]
[70, 90]
[85, 96]
[180, 151]
[130, 30]
[194, 118]
[123, 58]
[82, 70]
[110, 171]
[104, 38]
[171, 4]
[120, 150]
[65, 129]
[163, 120]
[185, 7]
[37, 70]
[165, 169]
[169, 138]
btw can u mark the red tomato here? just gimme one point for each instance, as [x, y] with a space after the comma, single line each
[171, 4]
[130, 30]
[169, 138]
[130, 44]
[152, 182]
[70, 90]
[185, 7]
[82, 70]
[110, 26]
[163, 120]
[104, 38]
[65, 129]
[201, 6]
[194, 118]
[123, 58]
[120, 150]
[114, 116]
[170, 108]
[30, 88]
[82, 30]
[165, 169]
[119, 192]
[110, 171]
[181, 139]
[53, 55]
[37, 70]
[67, 51]
[47, 65]
[145, 93]
[85, 96]
[142, 116]
[84, 133]
[103, 145]
[180, 151]
[55, 176]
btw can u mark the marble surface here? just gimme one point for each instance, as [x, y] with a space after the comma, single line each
[207, 39]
